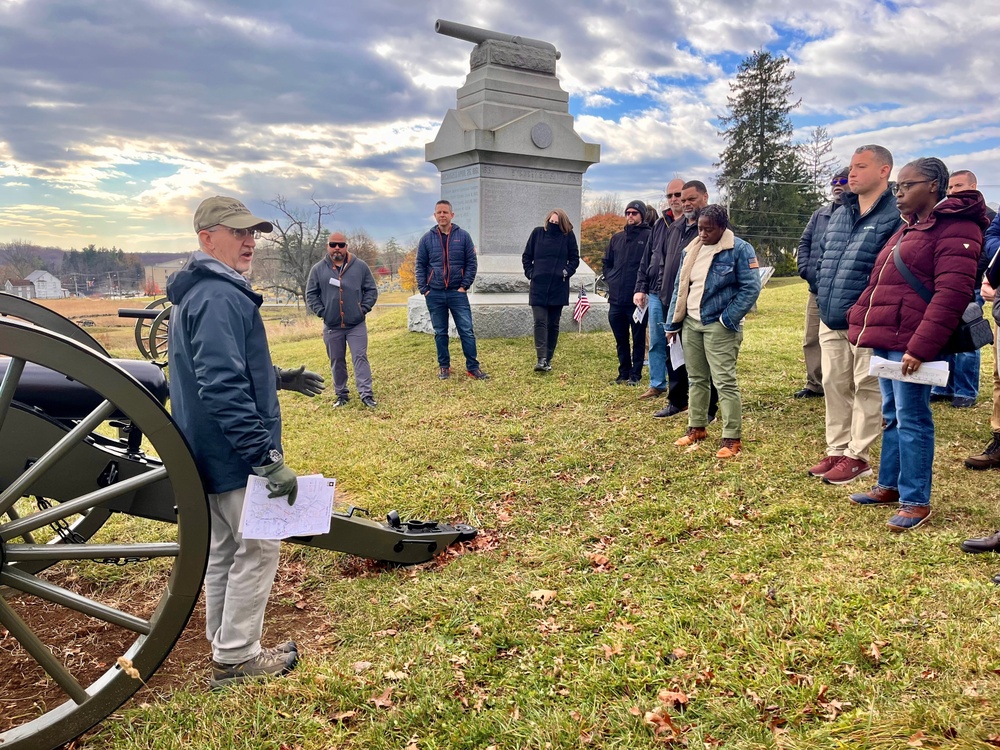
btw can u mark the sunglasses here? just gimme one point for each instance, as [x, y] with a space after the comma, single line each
[338, 244]
[838, 181]
[673, 195]
[632, 213]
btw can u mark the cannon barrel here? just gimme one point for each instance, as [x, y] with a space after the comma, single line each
[477, 35]
[138, 313]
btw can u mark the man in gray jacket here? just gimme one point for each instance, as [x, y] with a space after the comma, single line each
[341, 290]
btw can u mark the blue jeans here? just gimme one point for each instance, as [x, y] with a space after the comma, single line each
[657, 344]
[439, 303]
[963, 376]
[908, 438]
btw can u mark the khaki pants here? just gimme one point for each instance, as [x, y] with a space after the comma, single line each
[853, 399]
[811, 348]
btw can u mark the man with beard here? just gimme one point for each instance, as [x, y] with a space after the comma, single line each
[621, 267]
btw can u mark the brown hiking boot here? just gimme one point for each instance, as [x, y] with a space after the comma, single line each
[692, 436]
[989, 458]
[731, 448]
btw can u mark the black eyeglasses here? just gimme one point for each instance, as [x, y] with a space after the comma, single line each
[673, 195]
[838, 181]
[338, 244]
[902, 187]
[632, 213]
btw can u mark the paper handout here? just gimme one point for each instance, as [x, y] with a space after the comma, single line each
[676, 353]
[273, 518]
[929, 373]
[640, 313]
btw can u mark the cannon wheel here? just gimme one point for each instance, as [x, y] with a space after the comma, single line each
[25, 309]
[125, 637]
[158, 335]
[142, 328]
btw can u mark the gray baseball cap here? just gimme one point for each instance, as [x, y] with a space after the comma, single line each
[228, 212]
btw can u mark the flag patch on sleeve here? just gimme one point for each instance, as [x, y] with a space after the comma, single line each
[753, 262]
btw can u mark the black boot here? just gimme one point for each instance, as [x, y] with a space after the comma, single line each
[542, 366]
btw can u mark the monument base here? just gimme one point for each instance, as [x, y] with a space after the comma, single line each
[507, 316]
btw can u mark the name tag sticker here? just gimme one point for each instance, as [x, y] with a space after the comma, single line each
[334, 281]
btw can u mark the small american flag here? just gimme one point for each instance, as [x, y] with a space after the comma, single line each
[582, 305]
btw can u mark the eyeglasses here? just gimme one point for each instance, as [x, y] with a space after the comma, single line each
[338, 244]
[632, 213]
[242, 234]
[673, 195]
[838, 181]
[902, 187]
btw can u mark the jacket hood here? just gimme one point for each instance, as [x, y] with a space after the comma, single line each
[968, 205]
[200, 266]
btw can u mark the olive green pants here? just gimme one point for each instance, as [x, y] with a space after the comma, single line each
[710, 353]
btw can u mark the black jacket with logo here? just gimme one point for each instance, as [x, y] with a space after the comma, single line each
[622, 260]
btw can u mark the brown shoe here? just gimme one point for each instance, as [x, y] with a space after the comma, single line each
[692, 436]
[989, 458]
[652, 393]
[731, 448]
[877, 495]
[909, 517]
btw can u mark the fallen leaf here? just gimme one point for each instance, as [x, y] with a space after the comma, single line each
[384, 700]
[543, 595]
[475, 630]
[391, 675]
[635, 711]
[301, 604]
[679, 653]
[360, 666]
[916, 739]
[672, 698]
[875, 653]
[342, 716]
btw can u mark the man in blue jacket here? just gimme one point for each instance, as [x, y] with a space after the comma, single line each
[445, 268]
[857, 231]
[223, 395]
[342, 291]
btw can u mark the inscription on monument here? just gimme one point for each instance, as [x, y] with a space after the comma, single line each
[464, 197]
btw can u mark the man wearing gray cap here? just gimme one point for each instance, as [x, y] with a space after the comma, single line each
[223, 395]
[621, 268]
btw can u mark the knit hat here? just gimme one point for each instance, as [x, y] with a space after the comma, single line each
[638, 206]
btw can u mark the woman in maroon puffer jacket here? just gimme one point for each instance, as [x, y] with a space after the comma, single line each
[940, 245]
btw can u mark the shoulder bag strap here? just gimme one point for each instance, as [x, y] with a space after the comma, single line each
[912, 280]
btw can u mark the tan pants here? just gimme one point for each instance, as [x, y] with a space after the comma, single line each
[853, 399]
[810, 347]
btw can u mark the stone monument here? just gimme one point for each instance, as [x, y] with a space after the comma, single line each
[508, 155]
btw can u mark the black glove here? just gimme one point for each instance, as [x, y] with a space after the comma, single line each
[301, 380]
[280, 480]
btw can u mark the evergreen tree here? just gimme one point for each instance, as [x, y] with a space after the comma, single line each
[762, 178]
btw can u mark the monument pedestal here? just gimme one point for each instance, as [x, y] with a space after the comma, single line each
[508, 155]
[499, 315]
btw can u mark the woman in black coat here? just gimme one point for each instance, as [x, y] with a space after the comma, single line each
[550, 258]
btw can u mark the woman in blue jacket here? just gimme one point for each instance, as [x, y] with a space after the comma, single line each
[550, 258]
[717, 286]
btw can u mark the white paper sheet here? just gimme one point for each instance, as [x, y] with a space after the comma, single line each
[640, 313]
[273, 518]
[676, 353]
[929, 373]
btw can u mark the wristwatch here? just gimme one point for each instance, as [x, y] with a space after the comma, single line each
[274, 456]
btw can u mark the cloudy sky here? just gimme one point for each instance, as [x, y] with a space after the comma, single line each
[118, 117]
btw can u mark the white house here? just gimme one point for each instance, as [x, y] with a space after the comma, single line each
[46, 285]
[19, 288]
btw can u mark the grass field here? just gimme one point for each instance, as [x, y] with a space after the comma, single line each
[623, 593]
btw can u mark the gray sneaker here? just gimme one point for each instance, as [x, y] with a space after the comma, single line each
[270, 662]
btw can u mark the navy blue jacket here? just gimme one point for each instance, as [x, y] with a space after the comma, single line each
[223, 387]
[808, 254]
[848, 251]
[446, 265]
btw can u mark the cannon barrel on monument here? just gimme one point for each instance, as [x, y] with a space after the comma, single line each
[94, 473]
[477, 35]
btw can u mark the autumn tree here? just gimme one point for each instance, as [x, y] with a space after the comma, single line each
[606, 203]
[391, 255]
[408, 271]
[595, 232]
[297, 243]
[361, 244]
[763, 178]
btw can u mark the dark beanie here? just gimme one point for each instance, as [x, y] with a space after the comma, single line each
[638, 206]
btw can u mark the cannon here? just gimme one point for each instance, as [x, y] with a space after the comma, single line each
[477, 35]
[150, 327]
[94, 472]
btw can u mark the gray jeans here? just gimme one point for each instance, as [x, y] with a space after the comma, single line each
[238, 582]
[337, 340]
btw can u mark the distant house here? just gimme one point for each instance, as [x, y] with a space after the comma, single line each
[157, 275]
[46, 285]
[19, 288]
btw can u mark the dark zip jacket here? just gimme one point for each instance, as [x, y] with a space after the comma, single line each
[549, 259]
[223, 388]
[446, 261]
[621, 262]
[344, 305]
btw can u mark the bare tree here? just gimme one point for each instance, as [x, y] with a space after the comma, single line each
[606, 203]
[297, 243]
[363, 246]
[815, 154]
[391, 255]
[21, 256]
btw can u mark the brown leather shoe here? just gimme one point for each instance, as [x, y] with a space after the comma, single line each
[652, 393]
[989, 458]
[909, 517]
[877, 495]
[731, 448]
[977, 545]
[692, 436]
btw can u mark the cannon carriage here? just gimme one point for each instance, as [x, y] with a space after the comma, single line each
[93, 471]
